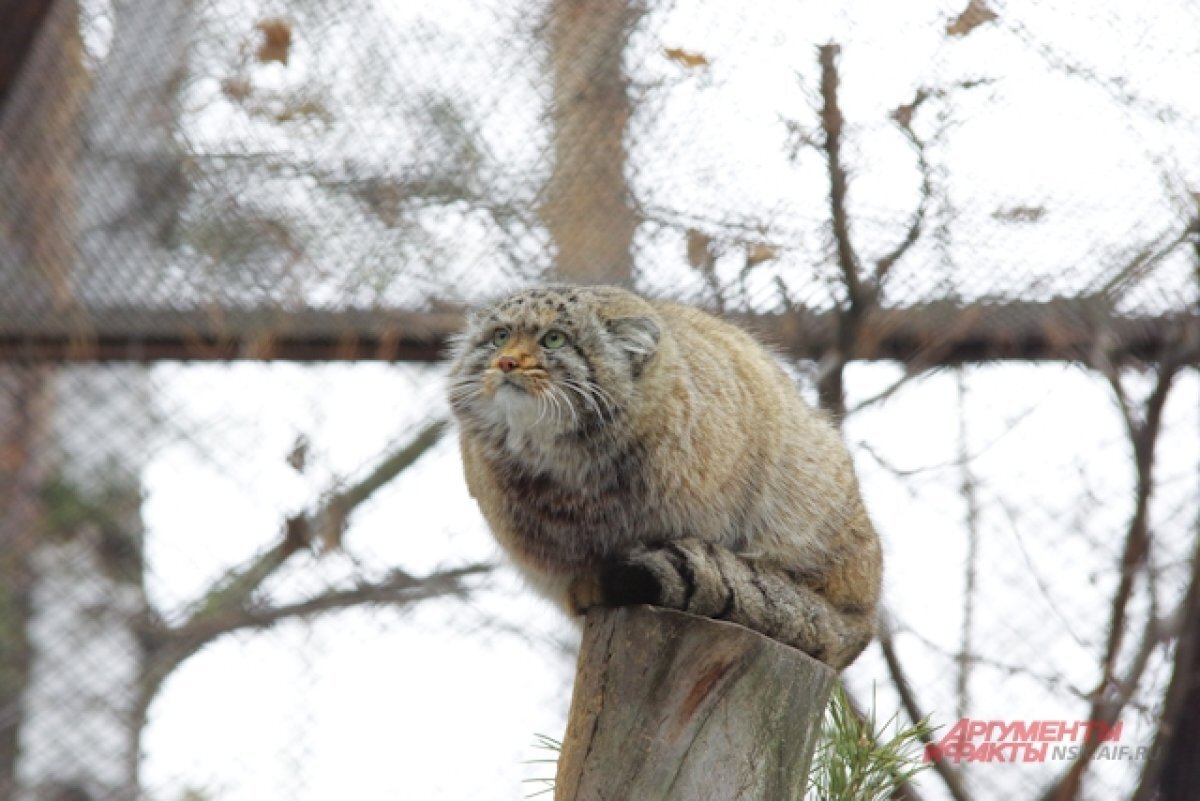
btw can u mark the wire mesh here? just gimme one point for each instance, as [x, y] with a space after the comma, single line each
[224, 581]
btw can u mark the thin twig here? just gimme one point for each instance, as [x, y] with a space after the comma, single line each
[330, 522]
[967, 484]
[916, 223]
[1178, 700]
[1052, 682]
[910, 372]
[229, 605]
[1144, 438]
[1036, 575]
[240, 583]
[1142, 263]
[908, 698]
[399, 588]
[1111, 695]
[1108, 703]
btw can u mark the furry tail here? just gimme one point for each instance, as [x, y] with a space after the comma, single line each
[707, 580]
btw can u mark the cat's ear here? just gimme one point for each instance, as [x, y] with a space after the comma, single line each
[637, 336]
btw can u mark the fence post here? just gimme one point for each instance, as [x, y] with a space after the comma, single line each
[672, 707]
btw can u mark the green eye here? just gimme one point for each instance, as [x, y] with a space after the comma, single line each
[500, 336]
[554, 340]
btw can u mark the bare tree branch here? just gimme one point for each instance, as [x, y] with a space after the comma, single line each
[1170, 772]
[831, 124]
[830, 383]
[230, 604]
[330, 522]
[910, 372]
[240, 583]
[1144, 438]
[862, 291]
[1109, 702]
[908, 698]
[966, 655]
[398, 589]
[903, 117]
[1143, 263]
[1111, 694]
[168, 649]
[1052, 682]
[1035, 573]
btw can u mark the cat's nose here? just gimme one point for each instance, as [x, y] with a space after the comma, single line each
[506, 363]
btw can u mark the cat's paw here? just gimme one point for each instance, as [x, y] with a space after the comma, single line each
[584, 592]
[620, 581]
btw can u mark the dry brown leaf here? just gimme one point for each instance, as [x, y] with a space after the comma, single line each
[277, 40]
[298, 457]
[686, 57]
[699, 250]
[904, 114]
[236, 89]
[975, 14]
[759, 252]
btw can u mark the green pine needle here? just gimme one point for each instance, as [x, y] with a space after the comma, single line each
[546, 784]
[857, 760]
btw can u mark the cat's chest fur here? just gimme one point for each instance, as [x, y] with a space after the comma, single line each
[569, 504]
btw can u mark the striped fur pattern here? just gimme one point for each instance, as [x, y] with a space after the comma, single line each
[627, 451]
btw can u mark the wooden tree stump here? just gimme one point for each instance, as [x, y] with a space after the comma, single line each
[672, 707]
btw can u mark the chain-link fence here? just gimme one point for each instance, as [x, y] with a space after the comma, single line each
[237, 556]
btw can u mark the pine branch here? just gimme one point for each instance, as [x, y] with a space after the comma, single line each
[860, 760]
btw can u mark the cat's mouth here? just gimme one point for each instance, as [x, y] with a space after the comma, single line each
[524, 382]
[512, 381]
[512, 386]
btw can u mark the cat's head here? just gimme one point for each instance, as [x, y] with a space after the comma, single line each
[553, 359]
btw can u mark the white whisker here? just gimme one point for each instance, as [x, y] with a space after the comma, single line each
[585, 396]
[567, 402]
[543, 407]
[551, 405]
[560, 401]
[594, 396]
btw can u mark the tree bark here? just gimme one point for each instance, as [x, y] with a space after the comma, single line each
[86, 149]
[24, 415]
[20, 24]
[38, 151]
[668, 706]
